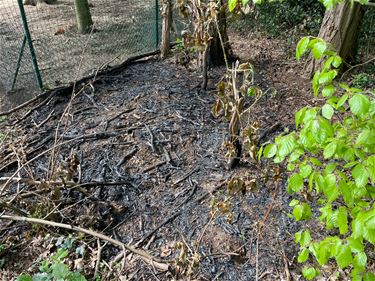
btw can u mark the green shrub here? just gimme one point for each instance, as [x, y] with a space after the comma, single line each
[331, 158]
[276, 17]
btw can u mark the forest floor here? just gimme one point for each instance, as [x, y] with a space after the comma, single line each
[144, 141]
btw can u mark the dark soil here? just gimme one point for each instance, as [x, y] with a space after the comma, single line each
[162, 155]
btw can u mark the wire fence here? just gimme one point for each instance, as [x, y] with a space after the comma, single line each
[121, 28]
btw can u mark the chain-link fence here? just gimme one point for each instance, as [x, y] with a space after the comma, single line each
[122, 28]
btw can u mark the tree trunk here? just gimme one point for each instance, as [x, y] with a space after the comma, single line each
[167, 23]
[83, 16]
[340, 27]
[216, 51]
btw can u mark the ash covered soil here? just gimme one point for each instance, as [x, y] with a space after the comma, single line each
[151, 154]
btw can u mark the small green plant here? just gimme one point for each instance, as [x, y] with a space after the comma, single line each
[362, 80]
[54, 268]
[331, 158]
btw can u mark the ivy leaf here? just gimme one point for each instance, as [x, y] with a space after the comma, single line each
[342, 220]
[344, 256]
[245, 2]
[359, 105]
[360, 175]
[327, 111]
[303, 255]
[302, 47]
[232, 4]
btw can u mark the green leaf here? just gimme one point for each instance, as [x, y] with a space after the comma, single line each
[24, 277]
[76, 276]
[337, 61]
[298, 212]
[293, 203]
[303, 255]
[330, 150]
[302, 212]
[299, 116]
[286, 145]
[369, 276]
[270, 150]
[310, 273]
[305, 170]
[42, 277]
[245, 2]
[295, 183]
[60, 271]
[342, 220]
[328, 90]
[232, 4]
[344, 256]
[342, 100]
[330, 168]
[330, 189]
[356, 245]
[360, 175]
[315, 161]
[366, 137]
[360, 261]
[318, 49]
[327, 77]
[327, 111]
[315, 83]
[302, 47]
[359, 105]
[305, 238]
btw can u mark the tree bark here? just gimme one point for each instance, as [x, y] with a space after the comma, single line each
[217, 53]
[83, 16]
[340, 27]
[167, 23]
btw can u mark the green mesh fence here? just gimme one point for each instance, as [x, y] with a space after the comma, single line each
[122, 28]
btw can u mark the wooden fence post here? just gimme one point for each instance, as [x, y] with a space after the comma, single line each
[167, 23]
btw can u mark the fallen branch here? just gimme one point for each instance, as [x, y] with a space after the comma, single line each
[184, 177]
[84, 137]
[160, 264]
[163, 223]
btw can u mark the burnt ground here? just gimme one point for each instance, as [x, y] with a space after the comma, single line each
[148, 146]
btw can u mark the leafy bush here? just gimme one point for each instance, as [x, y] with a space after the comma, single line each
[331, 158]
[275, 17]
